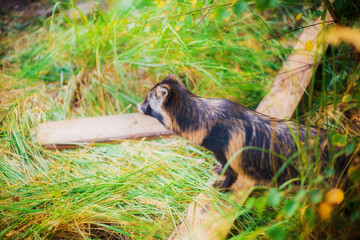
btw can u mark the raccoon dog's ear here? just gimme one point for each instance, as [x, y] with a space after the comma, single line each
[162, 92]
[171, 77]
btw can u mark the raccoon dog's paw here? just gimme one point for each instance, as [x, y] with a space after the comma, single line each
[218, 184]
[223, 185]
[218, 169]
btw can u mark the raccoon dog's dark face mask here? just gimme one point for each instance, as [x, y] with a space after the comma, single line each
[153, 104]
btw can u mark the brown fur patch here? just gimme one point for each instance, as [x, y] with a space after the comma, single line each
[245, 182]
[195, 136]
[235, 144]
[167, 120]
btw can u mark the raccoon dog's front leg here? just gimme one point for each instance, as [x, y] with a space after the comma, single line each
[230, 178]
[230, 174]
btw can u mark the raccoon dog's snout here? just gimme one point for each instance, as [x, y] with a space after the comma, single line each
[139, 107]
[144, 107]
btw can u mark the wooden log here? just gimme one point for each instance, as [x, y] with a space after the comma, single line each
[69, 133]
[203, 220]
[289, 85]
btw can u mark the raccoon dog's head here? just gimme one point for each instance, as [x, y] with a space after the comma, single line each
[163, 99]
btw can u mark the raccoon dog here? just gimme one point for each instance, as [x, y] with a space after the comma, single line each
[254, 145]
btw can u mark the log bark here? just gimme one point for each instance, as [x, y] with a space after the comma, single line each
[70, 133]
[203, 220]
[289, 85]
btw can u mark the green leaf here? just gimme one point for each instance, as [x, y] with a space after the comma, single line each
[338, 140]
[263, 4]
[317, 13]
[250, 203]
[323, 14]
[355, 175]
[277, 232]
[344, 21]
[273, 197]
[339, 4]
[221, 13]
[300, 195]
[260, 204]
[329, 172]
[290, 207]
[199, 4]
[346, 98]
[188, 20]
[318, 179]
[349, 148]
[310, 217]
[239, 7]
[315, 196]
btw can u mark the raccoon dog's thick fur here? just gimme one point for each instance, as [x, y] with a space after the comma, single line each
[256, 145]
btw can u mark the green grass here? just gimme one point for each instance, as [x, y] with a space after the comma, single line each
[61, 68]
[126, 188]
